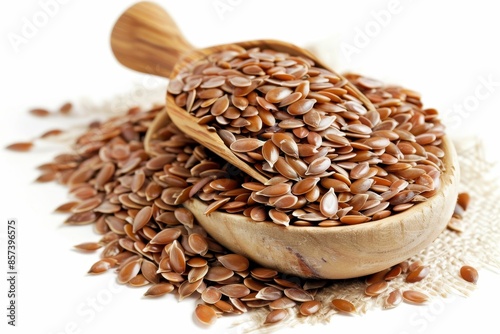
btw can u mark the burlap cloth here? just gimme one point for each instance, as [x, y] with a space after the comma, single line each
[478, 245]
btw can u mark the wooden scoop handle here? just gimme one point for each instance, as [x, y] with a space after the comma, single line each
[146, 39]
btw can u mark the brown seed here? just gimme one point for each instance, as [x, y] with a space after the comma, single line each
[269, 293]
[343, 305]
[187, 288]
[376, 277]
[159, 289]
[270, 152]
[393, 273]
[129, 271]
[197, 273]
[66, 207]
[276, 316]
[198, 243]
[138, 281]
[155, 163]
[148, 270]
[469, 274]
[354, 219]
[301, 107]
[166, 236]
[234, 290]
[286, 170]
[240, 81]
[224, 306]
[87, 205]
[20, 147]
[217, 274]
[279, 189]
[418, 274]
[137, 180]
[369, 83]
[88, 246]
[51, 133]
[216, 205]
[376, 289]
[286, 144]
[263, 273]
[414, 265]
[298, 295]
[224, 184]
[47, 177]
[393, 299]
[66, 108]
[463, 200]
[197, 262]
[177, 258]
[246, 145]
[81, 218]
[234, 262]
[184, 216]
[276, 95]
[309, 307]
[304, 186]
[318, 166]
[205, 314]
[414, 297]
[220, 106]
[39, 112]
[290, 99]
[142, 218]
[100, 266]
[282, 303]
[211, 295]
[361, 185]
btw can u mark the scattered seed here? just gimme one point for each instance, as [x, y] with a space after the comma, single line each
[343, 305]
[66, 108]
[309, 307]
[276, 316]
[159, 289]
[469, 274]
[205, 314]
[39, 112]
[418, 274]
[415, 297]
[100, 266]
[20, 147]
[129, 271]
[376, 289]
[88, 246]
[393, 299]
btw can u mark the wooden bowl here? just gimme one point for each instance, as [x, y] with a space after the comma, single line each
[344, 251]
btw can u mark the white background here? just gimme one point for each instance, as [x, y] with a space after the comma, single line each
[446, 50]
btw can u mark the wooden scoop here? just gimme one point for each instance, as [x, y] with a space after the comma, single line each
[146, 39]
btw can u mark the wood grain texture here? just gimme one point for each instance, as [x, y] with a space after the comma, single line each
[342, 251]
[146, 39]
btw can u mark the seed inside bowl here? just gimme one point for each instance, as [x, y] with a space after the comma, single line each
[298, 123]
